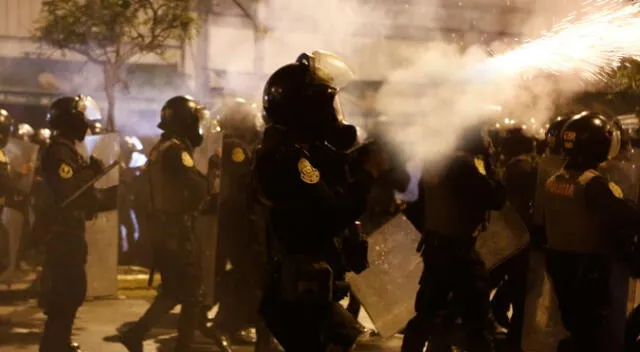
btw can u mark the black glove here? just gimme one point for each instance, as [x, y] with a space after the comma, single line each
[96, 164]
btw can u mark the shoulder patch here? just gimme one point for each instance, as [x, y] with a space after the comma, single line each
[237, 155]
[480, 165]
[65, 171]
[186, 159]
[3, 157]
[615, 189]
[308, 173]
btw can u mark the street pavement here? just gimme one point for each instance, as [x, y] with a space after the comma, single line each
[21, 322]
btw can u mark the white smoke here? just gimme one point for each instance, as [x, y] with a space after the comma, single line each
[446, 89]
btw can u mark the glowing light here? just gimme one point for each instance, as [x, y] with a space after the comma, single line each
[583, 44]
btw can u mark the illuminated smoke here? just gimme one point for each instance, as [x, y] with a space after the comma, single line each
[451, 89]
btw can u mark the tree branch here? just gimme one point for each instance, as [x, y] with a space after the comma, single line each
[248, 14]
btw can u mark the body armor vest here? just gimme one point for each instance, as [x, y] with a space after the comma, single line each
[548, 165]
[167, 193]
[235, 169]
[570, 226]
[446, 213]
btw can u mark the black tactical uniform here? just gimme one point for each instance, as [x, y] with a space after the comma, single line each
[456, 198]
[65, 171]
[300, 172]
[177, 191]
[583, 214]
[241, 253]
[134, 161]
[520, 177]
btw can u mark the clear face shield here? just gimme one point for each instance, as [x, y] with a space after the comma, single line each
[616, 142]
[331, 70]
[89, 108]
[204, 119]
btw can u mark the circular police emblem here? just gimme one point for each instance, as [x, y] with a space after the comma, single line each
[65, 171]
[186, 159]
[237, 155]
[615, 189]
[480, 166]
[308, 173]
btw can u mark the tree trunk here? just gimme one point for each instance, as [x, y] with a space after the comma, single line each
[110, 82]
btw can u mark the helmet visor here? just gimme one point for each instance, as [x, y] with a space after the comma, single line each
[89, 107]
[616, 142]
[204, 118]
[328, 69]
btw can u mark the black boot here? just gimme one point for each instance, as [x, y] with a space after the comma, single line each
[132, 340]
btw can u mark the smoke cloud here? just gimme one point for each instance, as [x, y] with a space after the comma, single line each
[447, 88]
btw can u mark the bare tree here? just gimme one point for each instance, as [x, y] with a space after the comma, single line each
[110, 33]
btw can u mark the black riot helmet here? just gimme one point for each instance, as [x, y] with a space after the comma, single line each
[71, 116]
[517, 141]
[552, 135]
[302, 96]
[6, 127]
[241, 119]
[590, 138]
[183, 116]
[474, 140]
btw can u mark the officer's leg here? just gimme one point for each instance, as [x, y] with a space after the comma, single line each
[57, 329]
[431, 300]
[518, 287]
[473, 289]
[162, 304]
[581, 285]
[190, 299]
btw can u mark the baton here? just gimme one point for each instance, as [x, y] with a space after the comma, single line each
[90, 183]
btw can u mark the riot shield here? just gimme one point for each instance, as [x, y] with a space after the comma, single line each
[505, 236]
[207, 224]
[15, 215]
[387, 289]
[102, 231]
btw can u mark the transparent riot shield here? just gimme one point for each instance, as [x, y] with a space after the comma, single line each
[387, 289]
[15, 214]
[505, 236]
[102, 231]
[207, 223]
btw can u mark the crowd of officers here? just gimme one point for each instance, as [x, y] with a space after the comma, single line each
[296, 193]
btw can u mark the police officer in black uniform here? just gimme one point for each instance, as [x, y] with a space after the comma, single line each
[313, 192]
[177, 191]
[456, 196]
[241, 254]
[519, 177]
[65, 171]
[583, 214]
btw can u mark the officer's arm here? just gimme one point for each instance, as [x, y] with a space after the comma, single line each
[65, 177]
[309, 205]
[415, 211]
[179, 164]
[606, 200]
[474, 184]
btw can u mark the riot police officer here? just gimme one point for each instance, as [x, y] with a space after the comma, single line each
[65, 171]
[456, 195]
[583, 214]
[300, 174]
[177, 191]
[519, 177]
[240, 254]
